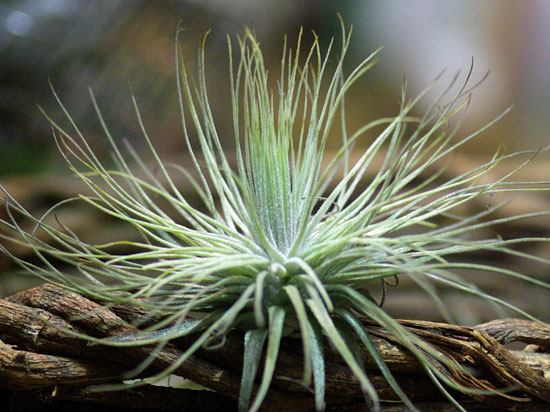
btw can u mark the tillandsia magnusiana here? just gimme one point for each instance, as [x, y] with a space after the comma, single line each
[287, 242]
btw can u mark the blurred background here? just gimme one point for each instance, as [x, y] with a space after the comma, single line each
[112, 46]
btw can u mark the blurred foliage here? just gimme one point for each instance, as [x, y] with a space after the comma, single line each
[108, 46]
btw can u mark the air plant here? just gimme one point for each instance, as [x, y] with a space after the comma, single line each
[288, 241]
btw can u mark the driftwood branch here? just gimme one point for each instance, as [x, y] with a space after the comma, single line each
[41, 355]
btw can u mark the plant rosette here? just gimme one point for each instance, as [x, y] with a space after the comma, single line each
[288, 241]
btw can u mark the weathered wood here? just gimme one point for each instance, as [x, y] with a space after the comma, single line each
[44, 323]
[101, 322]
[511, 330]
[145, 397]
[469, 405]
[540, 362]
[24, 370]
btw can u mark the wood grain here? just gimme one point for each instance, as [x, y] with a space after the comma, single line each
[40, 351]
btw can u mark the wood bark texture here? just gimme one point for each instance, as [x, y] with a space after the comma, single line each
[44, 362]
